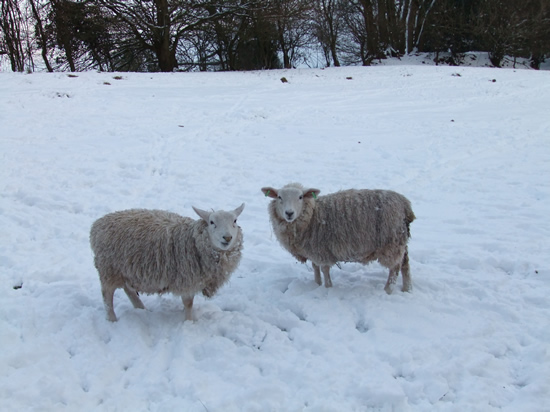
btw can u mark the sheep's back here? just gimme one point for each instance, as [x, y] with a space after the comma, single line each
[138, 246]
[352, 224]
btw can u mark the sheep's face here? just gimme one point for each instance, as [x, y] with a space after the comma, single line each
[290, 200]
[222, 226]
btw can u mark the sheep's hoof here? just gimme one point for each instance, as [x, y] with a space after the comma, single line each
[388, 289]
[112, 318]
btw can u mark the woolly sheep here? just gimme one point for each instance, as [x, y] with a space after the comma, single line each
[155, 251]
[346, 226]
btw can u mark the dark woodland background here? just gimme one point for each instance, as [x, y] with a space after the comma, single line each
[169, 35]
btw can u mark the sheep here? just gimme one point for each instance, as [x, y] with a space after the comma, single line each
[346, 226]
[155, 251]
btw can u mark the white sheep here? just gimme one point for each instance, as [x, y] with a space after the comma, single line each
[346, 226]
[154, 251]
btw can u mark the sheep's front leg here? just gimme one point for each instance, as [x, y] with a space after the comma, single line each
[326, 274]
[317, 273]
[392, 279]
[188, 305]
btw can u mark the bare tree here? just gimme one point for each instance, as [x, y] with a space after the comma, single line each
[293, 23]
[41, 34]
[509, 28]
[12, 42]
[449, 31]
[415, 14]
[537, 31]
[328, 28]
[158, 26]
[64, 17]
[494, 25]
[229, 36]
[78, 33]
[372, 30]
[366, 26]
[152, 35]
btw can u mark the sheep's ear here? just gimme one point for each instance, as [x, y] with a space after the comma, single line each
[312, 193]
[270, 192]
[238, 210]
[204, 215]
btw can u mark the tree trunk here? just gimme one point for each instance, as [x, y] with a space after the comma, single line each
[373, 40]
[167, 58]
[331, 20]
[65, 37]
[410, 15]
[10, 24]
[334, 53]
[166, 54]
[42, 36]
[382, 23]
[282, 44]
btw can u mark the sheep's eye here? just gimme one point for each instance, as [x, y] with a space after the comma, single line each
[301, 197]
[235, 221]
[280, 198]
[211, 222]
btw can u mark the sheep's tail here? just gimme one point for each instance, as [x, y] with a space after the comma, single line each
[409, 217]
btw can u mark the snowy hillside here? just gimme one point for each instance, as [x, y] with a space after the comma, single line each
[470, 147]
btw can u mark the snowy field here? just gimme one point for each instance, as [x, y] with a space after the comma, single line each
[470, 147]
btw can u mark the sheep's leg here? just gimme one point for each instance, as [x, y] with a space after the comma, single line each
[326, 274]
[392, 279]
[317, 273]
[406, 272]
[108, 293]
[210, 289]
[134, 298]
[188, 305]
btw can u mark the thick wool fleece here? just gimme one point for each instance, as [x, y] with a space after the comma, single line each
[154, 251]
[348, 226]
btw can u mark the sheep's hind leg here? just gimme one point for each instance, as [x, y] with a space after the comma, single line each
[392, 279]
[317, 273]
[326, 274]
[134, 298]
[406, 272]
[188, 305]
[108, 293]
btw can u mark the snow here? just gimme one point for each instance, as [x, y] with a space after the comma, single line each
[468, 146]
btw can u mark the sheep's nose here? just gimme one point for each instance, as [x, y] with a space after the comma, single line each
[289, 214]
[228, 238]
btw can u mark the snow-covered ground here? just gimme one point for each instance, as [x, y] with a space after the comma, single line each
[470, 147]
